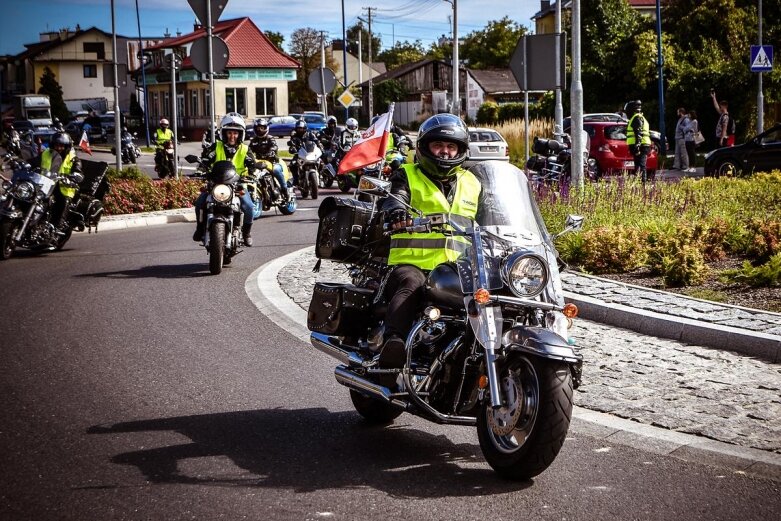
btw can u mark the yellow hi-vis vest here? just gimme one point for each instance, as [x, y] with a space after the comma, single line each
[237, 159]
[645, 132]
[65, 168]
[428, 250]
[163, 135]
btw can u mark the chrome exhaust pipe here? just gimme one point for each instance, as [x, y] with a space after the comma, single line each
[332, 346]
[352, 381]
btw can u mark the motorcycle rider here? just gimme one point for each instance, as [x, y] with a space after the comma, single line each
[264, 146]
[350, 134]
[638, 137]
[10, 138]
[301, 134]
[328, 135]
[162, 135]
[61, 158]
[230, 147]
[434, 183]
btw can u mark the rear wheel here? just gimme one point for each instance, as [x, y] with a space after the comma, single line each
[374, 411]
[522, 438]
[216, 247]
[313, 183]
[6, 239]
[288, 208]
[328, 183]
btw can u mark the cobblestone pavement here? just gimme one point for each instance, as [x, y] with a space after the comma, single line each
[686, 388]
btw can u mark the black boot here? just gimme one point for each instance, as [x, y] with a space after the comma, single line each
[198, 234]
[245, 231]
[392, 356]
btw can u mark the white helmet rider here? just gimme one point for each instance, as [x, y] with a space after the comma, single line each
[233, 121]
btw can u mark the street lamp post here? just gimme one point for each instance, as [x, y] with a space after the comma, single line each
[660, 65]
[456, 105]
[760, 97]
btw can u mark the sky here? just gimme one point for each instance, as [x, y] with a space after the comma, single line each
[426, 20]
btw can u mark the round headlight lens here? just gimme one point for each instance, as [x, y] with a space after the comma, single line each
[24, 191]
[526, 274]
[222, 193]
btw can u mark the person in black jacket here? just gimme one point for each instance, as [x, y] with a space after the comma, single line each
[264, 146]
[301, 134]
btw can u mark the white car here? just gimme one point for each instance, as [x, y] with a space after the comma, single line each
[486, 143]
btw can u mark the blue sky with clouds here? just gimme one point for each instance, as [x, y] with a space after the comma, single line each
[410, 20]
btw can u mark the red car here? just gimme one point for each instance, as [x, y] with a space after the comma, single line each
[609, 148]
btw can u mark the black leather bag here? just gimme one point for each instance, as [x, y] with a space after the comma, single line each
[343, 230]
[339, 309]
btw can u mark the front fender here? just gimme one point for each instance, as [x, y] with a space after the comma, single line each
[540, 342]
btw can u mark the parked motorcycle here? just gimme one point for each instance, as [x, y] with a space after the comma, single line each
[27, 202]
[309, 161]
[551, 164]
[165, 161]
[269, 193]
[224, 218]
[130, 151]
[490, 349]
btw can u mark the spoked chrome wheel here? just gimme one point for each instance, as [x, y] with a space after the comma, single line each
[512, 424]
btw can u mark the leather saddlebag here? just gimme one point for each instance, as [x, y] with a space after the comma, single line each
[343, 230]
[339, 309]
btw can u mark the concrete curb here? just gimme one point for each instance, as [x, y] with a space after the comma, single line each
[264, 291]
[759, 345]
[120, 222]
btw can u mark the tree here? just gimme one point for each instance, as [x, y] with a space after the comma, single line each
[492, 46]
[402, 53]
[51, 88]
[305, 47]
[387, 92]
[352, 39]
[276, 38]
[441, 49]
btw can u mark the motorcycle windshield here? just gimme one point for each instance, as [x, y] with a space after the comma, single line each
[43, 181]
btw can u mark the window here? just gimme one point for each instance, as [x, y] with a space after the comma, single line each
[265, 101]
[235, 101]
[207, 99]
[194, 103]
[166, 109]
[97, 48]
[155, 104]
[91, 71]
[617, 132]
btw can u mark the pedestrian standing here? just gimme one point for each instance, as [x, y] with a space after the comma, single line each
[691, 132]
[681, 161]
[725, 127]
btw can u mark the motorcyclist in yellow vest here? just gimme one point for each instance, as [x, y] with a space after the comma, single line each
[435, 183]
[230, 147]
[638, 137]
[61, 158]
[162, 135]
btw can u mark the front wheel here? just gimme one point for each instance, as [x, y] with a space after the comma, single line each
[313, 183]
[374, 411]
[6, 239]
[522, 438]
[343, 183]
[216, 247]
[288, 208]
[62, 239]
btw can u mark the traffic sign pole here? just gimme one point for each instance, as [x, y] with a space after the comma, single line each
[760, 97]
[212, 124]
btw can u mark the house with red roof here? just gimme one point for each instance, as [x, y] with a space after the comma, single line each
[254, 82]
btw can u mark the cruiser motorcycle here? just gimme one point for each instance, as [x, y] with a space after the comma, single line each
[27, 201]
[224, 218]
[130, 151]
[490, 349]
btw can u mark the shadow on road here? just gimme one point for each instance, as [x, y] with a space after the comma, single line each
[163, 271]
[307, 450]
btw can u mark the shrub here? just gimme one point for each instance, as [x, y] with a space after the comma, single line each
[146, 195]
[488, 113]
[613, 249]
[128, 172]
[765, 275]
[678, 254]
[683, 266]
[764, 238]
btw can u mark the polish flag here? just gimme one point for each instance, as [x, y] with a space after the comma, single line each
[84, 143]
[370, 148]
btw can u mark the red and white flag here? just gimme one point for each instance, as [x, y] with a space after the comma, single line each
[371, 146]
[84, 143]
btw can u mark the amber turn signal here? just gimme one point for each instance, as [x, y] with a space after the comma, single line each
[570, 310]
[482, 382]
[482, 296]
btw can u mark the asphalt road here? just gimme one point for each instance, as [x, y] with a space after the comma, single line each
[137, 386]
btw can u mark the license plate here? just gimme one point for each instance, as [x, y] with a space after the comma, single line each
[489, 149]
[629, 164]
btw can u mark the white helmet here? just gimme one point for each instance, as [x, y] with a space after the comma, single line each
[233, 121]
[352, 123]
[164, 122]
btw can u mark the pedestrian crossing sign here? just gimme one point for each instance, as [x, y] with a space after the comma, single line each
[761, 58]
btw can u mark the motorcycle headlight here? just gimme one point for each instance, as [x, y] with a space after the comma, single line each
[525, 273]
[222, 193]
[24, 191]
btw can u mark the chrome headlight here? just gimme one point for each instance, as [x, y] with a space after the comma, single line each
[24, 191]
[525, 273]
[222, 193]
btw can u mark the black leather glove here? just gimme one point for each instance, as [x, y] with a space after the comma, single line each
[398, 217]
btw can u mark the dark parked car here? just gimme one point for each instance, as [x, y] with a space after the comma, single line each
[759, 154]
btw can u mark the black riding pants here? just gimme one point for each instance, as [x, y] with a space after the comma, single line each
[404, 290]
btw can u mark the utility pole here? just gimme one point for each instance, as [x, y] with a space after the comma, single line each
[344, 59]
[558, 112]
[174, 112]
[143, 75]
[456, 72]
[323, 102]
[117, 115]
[360, 57]
[211, 70]
[760, 97]
[660, 66]
[576, 99]
[371, 69]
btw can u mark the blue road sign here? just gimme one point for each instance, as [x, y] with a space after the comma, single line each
[761, 58]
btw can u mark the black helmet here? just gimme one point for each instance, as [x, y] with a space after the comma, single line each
[633, 107]
[261, 127]
[300, 127]
[331, 122]
[442, 127]
[61, 138]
